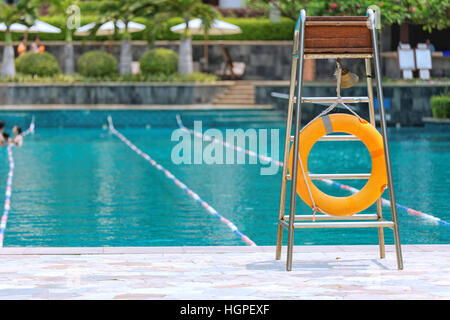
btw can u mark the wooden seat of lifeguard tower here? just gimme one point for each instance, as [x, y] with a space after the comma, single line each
[343, 35]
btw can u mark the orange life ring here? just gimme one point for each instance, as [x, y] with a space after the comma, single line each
[372, 139]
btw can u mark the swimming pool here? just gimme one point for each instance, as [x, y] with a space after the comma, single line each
[84, 187]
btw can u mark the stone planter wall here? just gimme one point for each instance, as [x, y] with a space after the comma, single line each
[111, 93]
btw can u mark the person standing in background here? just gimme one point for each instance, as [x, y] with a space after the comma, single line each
[34, 46]
[430, 45]
[22, 47]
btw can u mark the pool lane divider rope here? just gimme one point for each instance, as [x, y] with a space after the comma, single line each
[8, 194]
[30, 129]
[385, 202]
[181, 185]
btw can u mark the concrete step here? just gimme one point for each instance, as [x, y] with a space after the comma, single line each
[234, 101]
[238, 94]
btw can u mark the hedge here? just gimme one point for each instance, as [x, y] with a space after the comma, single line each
[440, 106]
[159, 61]
[252, 29]
[97, 63]
[40, 64]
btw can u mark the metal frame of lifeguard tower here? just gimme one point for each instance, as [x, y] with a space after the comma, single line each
[308, 45]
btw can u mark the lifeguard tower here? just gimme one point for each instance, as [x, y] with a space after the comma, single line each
[346, 37]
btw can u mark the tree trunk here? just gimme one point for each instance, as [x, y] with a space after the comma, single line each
[69, 64]
[125, 57]
[185, 64]
[8, 67]
[404, 33]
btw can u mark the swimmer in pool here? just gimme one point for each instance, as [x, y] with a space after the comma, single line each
[2, 129]
[5, 137]
[18, 138]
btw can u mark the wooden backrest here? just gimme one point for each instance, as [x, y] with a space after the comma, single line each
[337, 35]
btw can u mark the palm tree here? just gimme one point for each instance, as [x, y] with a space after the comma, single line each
[68, 9]
[124, 10]
[186, 9]
[24, 12]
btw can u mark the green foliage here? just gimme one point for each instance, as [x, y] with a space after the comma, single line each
[173, 77]
[89, 7]
[24, 12]
[252, 29]
[431, 14]
[40, 64]
[440, 106]
[125, 10]
[159, 61]
[97, 64]
[260, 29]
[185, 9]
[77, 78]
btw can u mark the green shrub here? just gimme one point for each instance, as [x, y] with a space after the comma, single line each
[97, 64]
[40, 64]
[159, 61]
[440, 106]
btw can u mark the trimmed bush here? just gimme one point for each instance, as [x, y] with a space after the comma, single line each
[97, 64]
[41, 64]
[159, 60]
[440, 106]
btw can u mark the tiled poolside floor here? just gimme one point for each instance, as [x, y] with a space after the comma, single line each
[319, 272]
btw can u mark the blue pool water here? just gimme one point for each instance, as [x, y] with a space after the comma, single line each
[84, 187]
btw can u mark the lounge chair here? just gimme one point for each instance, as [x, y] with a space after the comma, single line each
[229, 69]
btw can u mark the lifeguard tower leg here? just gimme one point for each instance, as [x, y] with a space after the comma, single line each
[296, 145]
[287, 143]
[373, 122]
[385, 142]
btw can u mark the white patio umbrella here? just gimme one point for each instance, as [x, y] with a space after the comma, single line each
[107, 28]
[43, 27]
[218, 27]
[15, 27]
[38, 27]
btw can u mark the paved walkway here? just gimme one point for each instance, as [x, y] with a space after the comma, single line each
[319, 272]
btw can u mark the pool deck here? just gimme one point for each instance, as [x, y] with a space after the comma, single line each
[319, 272]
